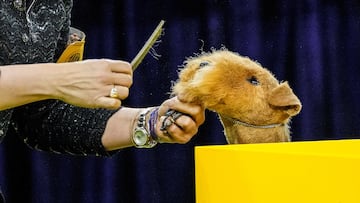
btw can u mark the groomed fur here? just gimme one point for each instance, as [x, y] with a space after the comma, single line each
[238, 88]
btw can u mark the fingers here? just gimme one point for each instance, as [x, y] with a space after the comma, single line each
[180, 131]
[117, 92]
[113, 72]
[109, 103]
[93, 83]
[195, 112]
[179, 121]
[118, 66]
[121, 73]
[119, 82]
[122, 79]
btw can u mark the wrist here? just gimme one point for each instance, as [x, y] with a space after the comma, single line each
[48, 76]
[58, 79]
[144, 126]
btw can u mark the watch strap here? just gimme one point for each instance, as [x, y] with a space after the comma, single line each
[142, 126]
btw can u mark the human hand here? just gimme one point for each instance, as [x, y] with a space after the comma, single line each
[184, 127]
[88, 83]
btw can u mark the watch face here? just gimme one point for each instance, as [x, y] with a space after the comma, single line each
[140, 137]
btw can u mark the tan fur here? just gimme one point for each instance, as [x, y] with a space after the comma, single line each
[221, 82]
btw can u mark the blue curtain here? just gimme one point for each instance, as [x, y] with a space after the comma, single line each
[314, 45]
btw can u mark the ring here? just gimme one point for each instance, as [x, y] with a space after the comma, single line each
[170, 118]
[114, 92]
[167, 122]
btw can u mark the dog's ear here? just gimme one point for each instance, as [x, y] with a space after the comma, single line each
[284, 98]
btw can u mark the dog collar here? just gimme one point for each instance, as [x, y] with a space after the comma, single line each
[238, 122]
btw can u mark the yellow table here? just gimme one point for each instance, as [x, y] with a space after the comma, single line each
[306, 172]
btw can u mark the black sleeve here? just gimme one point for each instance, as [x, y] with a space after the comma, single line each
[55, 126]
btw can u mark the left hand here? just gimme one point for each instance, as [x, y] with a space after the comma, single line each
[185, 126]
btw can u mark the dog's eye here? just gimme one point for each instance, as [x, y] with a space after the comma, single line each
[203, 64]
[253, 80]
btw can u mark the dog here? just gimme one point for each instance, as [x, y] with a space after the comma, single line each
[253, 106]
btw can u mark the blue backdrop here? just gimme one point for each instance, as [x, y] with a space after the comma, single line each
[312, 44]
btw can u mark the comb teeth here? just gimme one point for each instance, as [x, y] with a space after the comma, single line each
[147, 46]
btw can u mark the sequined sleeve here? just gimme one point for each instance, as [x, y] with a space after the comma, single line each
[54, 126]
[37, 32]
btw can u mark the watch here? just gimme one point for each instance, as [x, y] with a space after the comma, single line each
[141, 136]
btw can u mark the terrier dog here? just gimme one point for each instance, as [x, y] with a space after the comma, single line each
[253, 106]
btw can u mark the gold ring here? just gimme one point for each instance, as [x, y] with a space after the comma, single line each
[114, 92]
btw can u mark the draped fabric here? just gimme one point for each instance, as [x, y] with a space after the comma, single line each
[314, 45]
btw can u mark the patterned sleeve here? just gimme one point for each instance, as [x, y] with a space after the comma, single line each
[65, 31]
[58, 127]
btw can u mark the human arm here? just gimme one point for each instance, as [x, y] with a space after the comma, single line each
[59, 127]
[85, 84]
[119, 135]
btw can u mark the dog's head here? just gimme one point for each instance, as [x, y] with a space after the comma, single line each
[237, 87]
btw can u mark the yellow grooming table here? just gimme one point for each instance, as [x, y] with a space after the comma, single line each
[304, 172]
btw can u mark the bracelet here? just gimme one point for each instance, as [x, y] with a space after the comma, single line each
[141, 136]
[152, 123]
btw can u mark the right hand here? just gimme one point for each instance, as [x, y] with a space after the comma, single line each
[88, 83]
